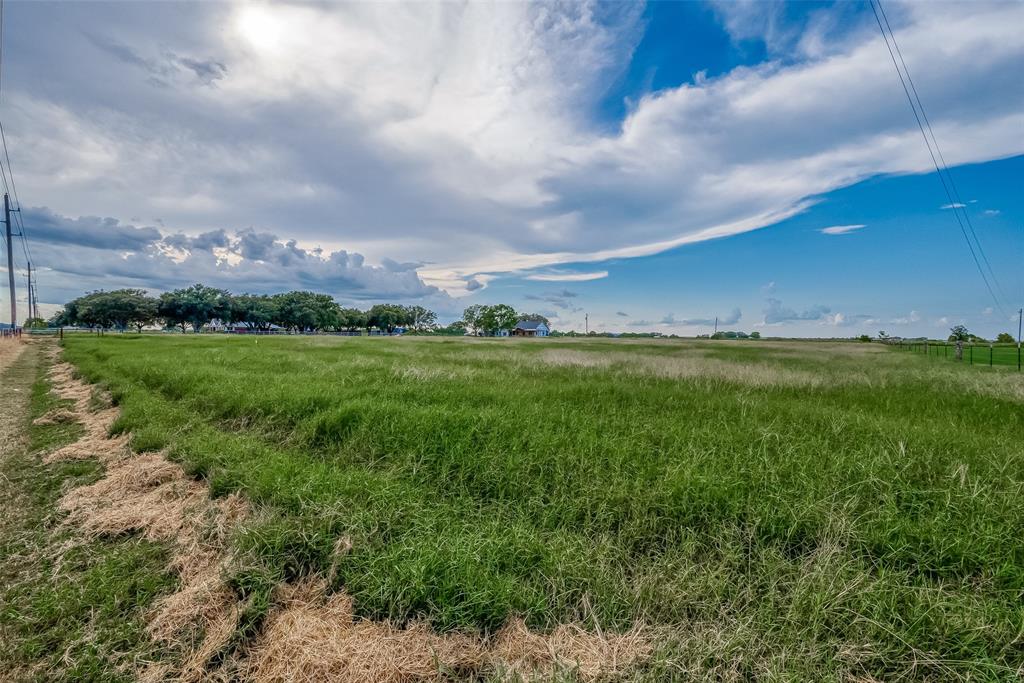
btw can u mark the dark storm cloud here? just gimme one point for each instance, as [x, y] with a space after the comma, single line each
[44, 225]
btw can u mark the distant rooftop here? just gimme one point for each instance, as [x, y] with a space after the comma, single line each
[528, 325]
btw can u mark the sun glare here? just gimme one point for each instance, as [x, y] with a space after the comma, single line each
[259, 27]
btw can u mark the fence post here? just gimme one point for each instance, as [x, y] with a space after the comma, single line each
[972, 355]
[990, 355]
[62, 333]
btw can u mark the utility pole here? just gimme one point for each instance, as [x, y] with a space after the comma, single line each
[586, 323]
[10, 259]
[29, 278]
[716, 324]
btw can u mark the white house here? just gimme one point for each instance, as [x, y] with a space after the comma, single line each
[530, 328]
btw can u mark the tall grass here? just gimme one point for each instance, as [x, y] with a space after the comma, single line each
[776, 508]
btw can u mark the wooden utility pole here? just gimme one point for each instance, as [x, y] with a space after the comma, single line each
[10, 259]
[586, 323]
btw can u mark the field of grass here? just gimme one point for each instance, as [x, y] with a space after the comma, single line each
[798, 510]
[976, 354]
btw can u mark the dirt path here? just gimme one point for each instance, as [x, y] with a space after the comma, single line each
[15, 389]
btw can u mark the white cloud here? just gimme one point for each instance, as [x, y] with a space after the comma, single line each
[992, 212]
[954, 205]
[463, 137]
[556, 276]
[913, 317]
[841, 229]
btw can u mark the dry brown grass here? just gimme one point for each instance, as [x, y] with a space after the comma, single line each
[310, 634]
[10, 349]
[314, 636]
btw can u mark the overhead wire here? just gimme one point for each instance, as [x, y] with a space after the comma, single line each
[951, 196]
[957, 204]
[11, 187]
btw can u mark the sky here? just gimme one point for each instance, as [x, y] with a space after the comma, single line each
[621, 166]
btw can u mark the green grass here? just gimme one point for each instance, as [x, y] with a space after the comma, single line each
[70, 609]
[982, 354]
[794, 510]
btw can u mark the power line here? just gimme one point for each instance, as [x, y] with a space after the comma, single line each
[958, 204]
[932, 152]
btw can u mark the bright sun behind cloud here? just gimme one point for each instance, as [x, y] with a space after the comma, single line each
[258, 26]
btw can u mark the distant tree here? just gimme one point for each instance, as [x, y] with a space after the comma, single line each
[533, 317]
[1005, 338]
[865, 338]
[755, 335]
[959, 334]
[196, 306]
[472, 318]
[498, 317]
[455, 329]
[255, 311]
[303, 311]
[34, 324]
[386, 317]
[119, 309]
[352, 319]
[420, 319]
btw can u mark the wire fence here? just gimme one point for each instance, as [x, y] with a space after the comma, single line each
[990, 355]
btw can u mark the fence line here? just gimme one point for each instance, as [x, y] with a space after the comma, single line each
[988, 354]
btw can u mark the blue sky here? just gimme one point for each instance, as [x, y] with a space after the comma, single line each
[651, 166]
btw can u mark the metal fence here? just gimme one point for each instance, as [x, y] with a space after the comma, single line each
[989, 355]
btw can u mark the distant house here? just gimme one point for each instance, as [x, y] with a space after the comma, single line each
[530, 328]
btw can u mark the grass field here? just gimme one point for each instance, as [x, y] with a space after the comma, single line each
[799, 510]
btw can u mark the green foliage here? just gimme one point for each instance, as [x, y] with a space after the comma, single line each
[533, 317]
[771, 494]
[306, 311]
[118, 309]
[35, 324]
[864, 338]
[959, 333]
[490, 320]
[196, 306]
[1005, 338]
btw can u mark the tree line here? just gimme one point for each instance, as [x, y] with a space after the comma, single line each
[197, 306]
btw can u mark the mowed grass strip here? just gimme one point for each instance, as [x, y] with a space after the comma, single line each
[71, 609]
[797, 508]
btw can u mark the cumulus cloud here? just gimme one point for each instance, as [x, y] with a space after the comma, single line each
[87, 231]
[913, 317]
[474, 146]
[776, 313]
[848, 320]
[841, 229]
[77, 254]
